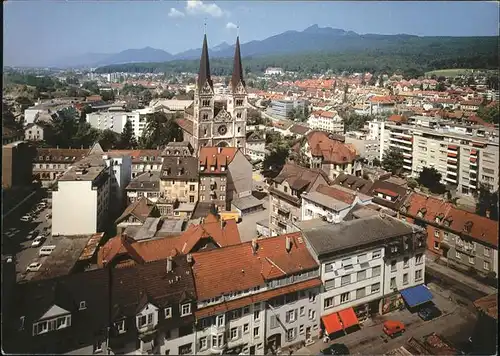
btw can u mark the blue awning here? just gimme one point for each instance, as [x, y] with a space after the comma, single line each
[416, 295]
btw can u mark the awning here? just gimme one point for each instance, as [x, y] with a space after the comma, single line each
[348, 317]
[416, 295]
[332, 323]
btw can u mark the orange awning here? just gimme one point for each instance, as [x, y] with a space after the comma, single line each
[332, 323]
[348, 317]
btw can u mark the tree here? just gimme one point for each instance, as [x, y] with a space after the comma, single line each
[392, 160]
[86, 109]
[487, 202]
[9, 120]
[127, 139]
[108, 95]
[430, 178]
[147, 96]
[276, 158]
[91, 86]
[166, 94]
[108, 139]
[159, 131]
[441, 86]
[412, 183]
[376, 162]
[372, 81]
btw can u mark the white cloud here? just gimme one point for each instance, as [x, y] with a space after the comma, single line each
[175, 13]
[231, 26]
[195, 7]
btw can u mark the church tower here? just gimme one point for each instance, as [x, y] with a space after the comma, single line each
[204, 105]
[237, 103]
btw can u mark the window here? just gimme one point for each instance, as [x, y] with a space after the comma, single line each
[486, 251]
[246, 310]
[245, 328]
[418, 275]
[362, 258]
[347, 263]
[312, 297]
[419, 259]
[329, 267]
[344, 297]
[256, 315]
[234, 333]
[302, 311]
[291, 316]
[203, 343]
[458, 255]
[471, 260]
[274, 322]
[486, 265]
[291, 334]
[345, 280]
[375, 288]
[185, 309]
[312, 314]
[185, 349]
[219, 320]
[393, 282]
[256, 332]
[405, 278]
[406, 263]
[361, 275]
[120, 326]
[376, 254]
[445, 235]
[360, 293]
[376, 271]
[301, 329]
[436, 245]
[436, 233]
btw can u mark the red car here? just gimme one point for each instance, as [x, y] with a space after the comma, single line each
[393, 328]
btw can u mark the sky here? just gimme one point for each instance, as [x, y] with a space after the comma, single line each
[45, 31]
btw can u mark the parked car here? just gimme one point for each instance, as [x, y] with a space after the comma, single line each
[429, 312]
[335, 349]
[33, 267]
[46, 250]
[393, 328]
[37, 241]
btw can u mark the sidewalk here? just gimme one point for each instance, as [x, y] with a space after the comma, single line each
[459, 277]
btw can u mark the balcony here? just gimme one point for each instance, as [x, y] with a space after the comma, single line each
[451, 179]
[465, 248]
[407, 160]
[452, 173]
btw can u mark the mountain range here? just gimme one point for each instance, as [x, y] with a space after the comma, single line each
[312, 39]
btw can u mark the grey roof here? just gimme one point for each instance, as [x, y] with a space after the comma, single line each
[246, 202]
[263, 222]
[326, 238]
[87, 169]
[149, 181]
[185, 207]
[170, 227]
[179, 168]
[148, 229]
[326, 201]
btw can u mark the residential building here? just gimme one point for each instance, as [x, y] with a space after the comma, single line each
[111, 120]
[388, 195]
[330, 203]
[121, 171]
[84, 188]
[225, 175]
[136, 214]
[463, 239]
[329, 121]
[364, 264]
[17, 164]
[298, 131]
[178, 149]
[263, 298]
[323, 151]
[39, 110]
[274, 71]
[50, 163]
[285, 194]
[367, 149]
[143, 160]
[171, 104]
[256, 145]
[283, 109]
[38, 131]
[397, 136]
[144, 185]
[354, 183]
[209, 122]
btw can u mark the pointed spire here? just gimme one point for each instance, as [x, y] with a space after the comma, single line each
[204, 73]
[237, 68]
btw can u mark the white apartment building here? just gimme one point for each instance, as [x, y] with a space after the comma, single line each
[400, 137]
[273, 304]
[114, 121]
[80, 203]
[121, 172]
[274, 71]
[367, 149]
[365, 263]
[331, 204]
[329, 121]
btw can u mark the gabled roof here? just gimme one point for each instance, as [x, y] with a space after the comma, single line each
[481, 229]
[243, 269]
[332, 151]
[299, 177]
[488, 305]
[216, 156]
[395, 191]
[179, 168]
[354, 183]
[140, 209]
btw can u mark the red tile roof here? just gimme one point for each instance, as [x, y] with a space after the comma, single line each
[186, 125]
[386, 192]
[138, 155]
[397, 118]
[332, 151]
[236, 268]
[483, 229]
[140, 209]
[488, 305]
[216, 156]
[335, 193]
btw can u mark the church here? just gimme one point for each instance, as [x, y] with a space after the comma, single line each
[208, 122]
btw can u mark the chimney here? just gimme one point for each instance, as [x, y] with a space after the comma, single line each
[488, 213]
[169, 264]
[189, 258]
[254, 246]
[288, 244]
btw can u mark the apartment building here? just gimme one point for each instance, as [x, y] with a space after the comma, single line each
[256, 145]
[397, 136]
[17, 166]
[38, 131]
[324, 151]
[143, 160]
[170, 104]
[364, 265]
[285, 194]
[110, 120]
[282, 109]
[145, 185]
[367, 149]
[461, 238]
[225, 175]
[51, 163]
[331, 204]
[179, 179]
[84, 188]
[121, 168]
[329, 121]
[263, 298]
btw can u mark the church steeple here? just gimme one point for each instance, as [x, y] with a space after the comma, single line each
[237, 67]
[204, 73]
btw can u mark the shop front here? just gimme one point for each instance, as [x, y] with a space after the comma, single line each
[391, 303]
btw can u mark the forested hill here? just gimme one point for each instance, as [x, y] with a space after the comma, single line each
[399, 53]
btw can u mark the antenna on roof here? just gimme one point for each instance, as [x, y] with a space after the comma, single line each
[238, 31]
[205, 26]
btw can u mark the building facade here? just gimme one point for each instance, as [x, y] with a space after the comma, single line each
[328, 121]
[17, 166]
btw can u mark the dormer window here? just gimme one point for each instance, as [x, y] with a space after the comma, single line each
[168, 312]
[120, 326]
[222, 168]
[144, 320]
[185, 309]
[468, 226]
[447, 222]
[83, 305]
[421, 212]
[202, 168]
[212, 168]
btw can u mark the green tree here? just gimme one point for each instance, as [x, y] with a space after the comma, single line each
[276, 158]
[392, 160]
[430, 178]
[24, 102]
[355, 122]
[127, 139]
[412, 183]
[108, 95]
[91, 86]
[108, 139]
[159, 131]
[8, 119]
[85, 135]
[147, 97]
[489, 113]
[487, 202]
[166, 94]
[376, 162]
[86, 109]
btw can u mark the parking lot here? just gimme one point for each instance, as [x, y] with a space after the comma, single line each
[18, 236]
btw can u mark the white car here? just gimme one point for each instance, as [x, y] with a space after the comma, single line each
[37, 241]
[33, 267]
[26, 218]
